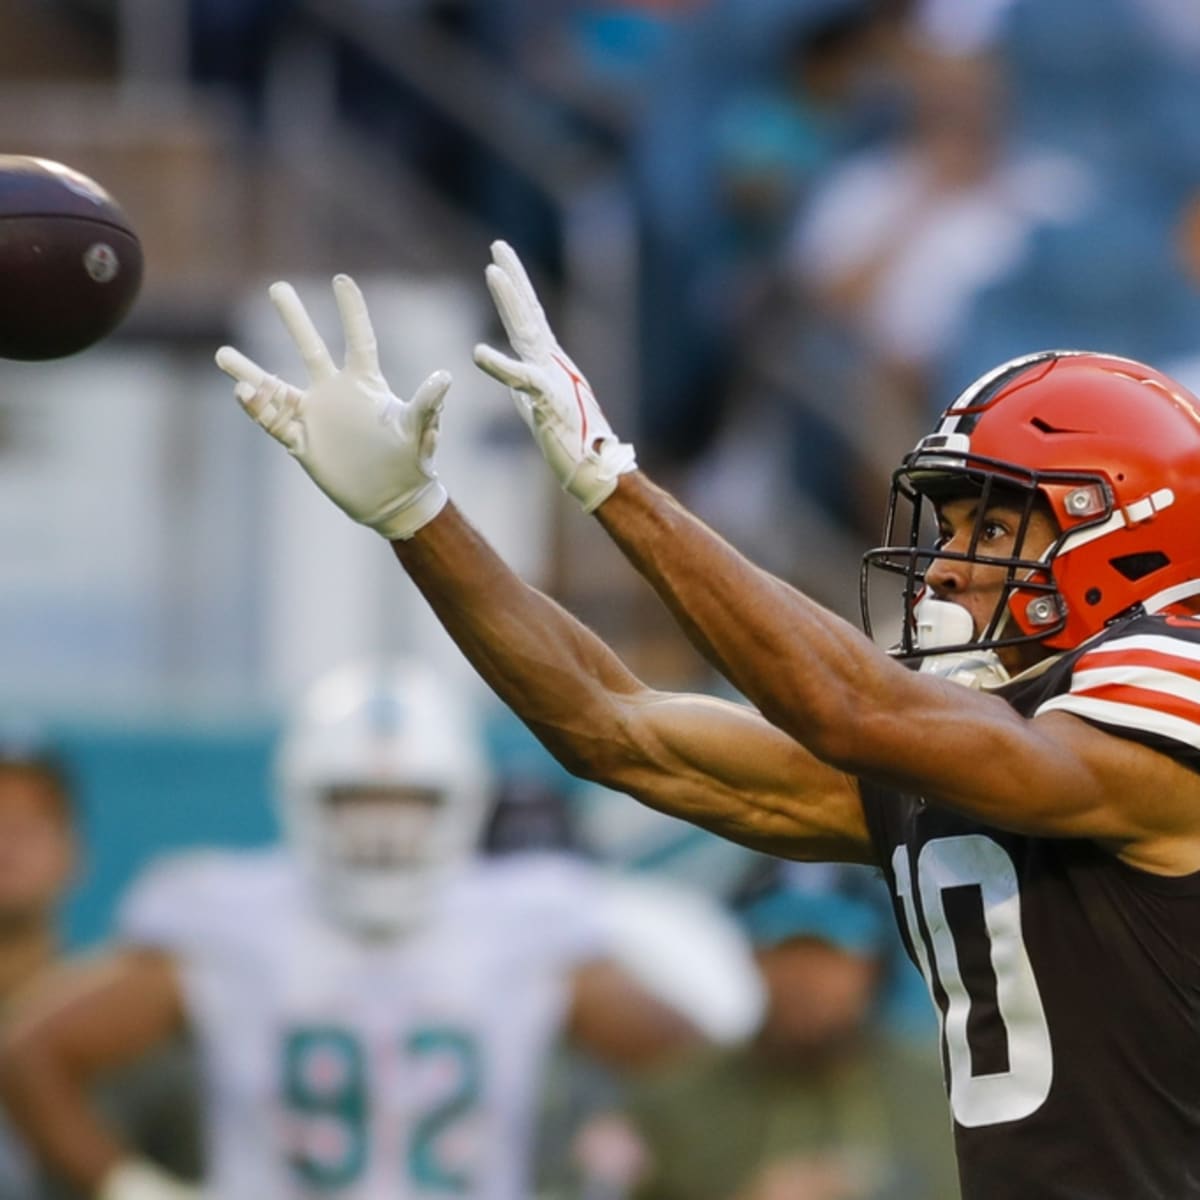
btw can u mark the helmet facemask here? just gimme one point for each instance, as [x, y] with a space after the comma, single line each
[384, 789]
[1109, 447]
[1029, 607]
[378, 852]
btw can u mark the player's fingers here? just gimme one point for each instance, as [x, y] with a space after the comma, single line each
[509, 371]
[505, 257]
[514, 314]
[262, 405]
[362, 350]
[302, 330]
[238, 367]
[524, 407]
[266, 404]
[257, 401]
[427, 403]
[286, 402]
[270, 403]
[428, 398]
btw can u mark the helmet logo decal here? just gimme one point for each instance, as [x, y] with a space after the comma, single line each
[963, 413]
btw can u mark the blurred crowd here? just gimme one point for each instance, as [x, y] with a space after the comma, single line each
[833, 213]
[845, 209]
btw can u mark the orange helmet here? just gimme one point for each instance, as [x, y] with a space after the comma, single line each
[1109, 445]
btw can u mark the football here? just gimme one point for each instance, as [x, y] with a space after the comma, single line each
[70, 261]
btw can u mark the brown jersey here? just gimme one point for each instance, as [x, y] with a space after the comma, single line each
[1067, 983]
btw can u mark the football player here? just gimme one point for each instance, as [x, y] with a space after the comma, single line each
[373, 1001]
[1040, 831]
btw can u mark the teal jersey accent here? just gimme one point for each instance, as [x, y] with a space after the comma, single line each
[428, 1168]
[325, 1085]
[326, 1091]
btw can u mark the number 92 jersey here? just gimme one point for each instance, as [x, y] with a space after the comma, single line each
[1067, 983]
[397, 1069]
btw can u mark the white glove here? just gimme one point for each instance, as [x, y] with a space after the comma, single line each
[137, 1179]
[550, 392]
[369, 451]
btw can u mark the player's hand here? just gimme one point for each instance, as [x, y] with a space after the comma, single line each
[368, 450]
[137, 1179]
[550, 392]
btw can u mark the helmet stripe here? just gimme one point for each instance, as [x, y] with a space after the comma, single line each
[964, 411]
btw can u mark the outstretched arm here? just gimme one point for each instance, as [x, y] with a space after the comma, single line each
[816, 677]
[708, 761]
[808, 671]
[811, 673]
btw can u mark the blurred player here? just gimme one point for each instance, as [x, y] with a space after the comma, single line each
[152, 1102]
[373, 1002]
[1040, 829]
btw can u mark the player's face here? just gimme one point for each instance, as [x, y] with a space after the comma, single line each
[380, 828]
[978, 586]
[37, 846]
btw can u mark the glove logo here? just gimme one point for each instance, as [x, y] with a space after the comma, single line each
[578, 383]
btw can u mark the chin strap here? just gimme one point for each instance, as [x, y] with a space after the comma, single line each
[940, 623]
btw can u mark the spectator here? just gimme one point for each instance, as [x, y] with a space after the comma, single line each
[153, 1101]
[834, 1098]
[749, 105]
[899, 240]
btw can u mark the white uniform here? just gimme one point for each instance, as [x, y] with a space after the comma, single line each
[397, 1070]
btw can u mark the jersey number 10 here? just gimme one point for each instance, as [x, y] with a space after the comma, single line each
[1017, 1020]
